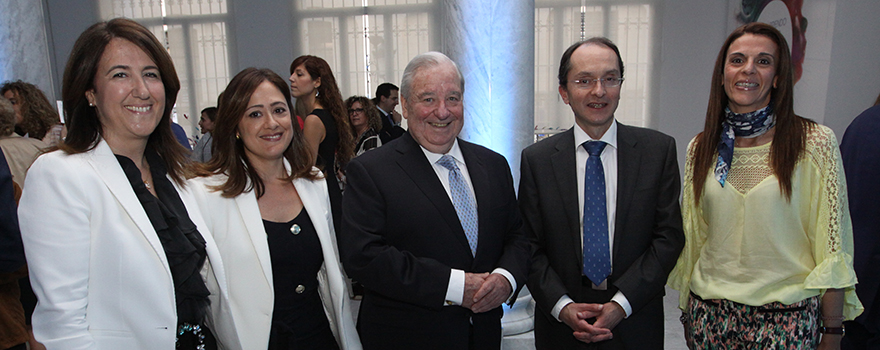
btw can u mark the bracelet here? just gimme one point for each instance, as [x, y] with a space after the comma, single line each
[832, 318]
[832, 330]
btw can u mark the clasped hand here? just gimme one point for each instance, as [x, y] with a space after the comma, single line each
[484, 291]
[607, 316]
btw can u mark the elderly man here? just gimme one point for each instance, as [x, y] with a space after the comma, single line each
[601, 202]
[430, 226]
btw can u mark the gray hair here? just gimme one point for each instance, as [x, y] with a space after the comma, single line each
[7, 116]
[423, 61]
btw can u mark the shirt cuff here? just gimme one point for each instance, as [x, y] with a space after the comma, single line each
[455, 288]
[563, 301]
[621, 300]
[509, 277]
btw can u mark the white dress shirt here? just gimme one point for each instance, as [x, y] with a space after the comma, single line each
[455, 289]
[609, 165]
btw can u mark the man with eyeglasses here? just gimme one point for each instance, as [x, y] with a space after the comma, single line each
[601, 203]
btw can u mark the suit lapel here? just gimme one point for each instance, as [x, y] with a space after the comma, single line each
[565, 170]
[628, 159]
[412, 160]
[108, 169]
[253, 222]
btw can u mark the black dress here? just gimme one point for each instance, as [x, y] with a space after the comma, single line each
[327, 160]
[298, 319]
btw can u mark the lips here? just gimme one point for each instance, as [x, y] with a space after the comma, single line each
[141, 109]
[273, 137]
[748, 85]
[439, 125]
[597, 105]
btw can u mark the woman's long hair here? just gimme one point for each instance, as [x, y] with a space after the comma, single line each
[789, 140]
[370, 111]
[330, 98]
[83, 126]
[229, 156]
[37, 113]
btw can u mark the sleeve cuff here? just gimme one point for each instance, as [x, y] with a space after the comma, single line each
[455, 288]
[563, 301]
[621, 300]
[509, 277]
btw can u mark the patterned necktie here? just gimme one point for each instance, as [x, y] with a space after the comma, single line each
[464, 202]
[597, 256]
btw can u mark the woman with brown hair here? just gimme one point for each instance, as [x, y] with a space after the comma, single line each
[268, 208]
[35, 116]
[326, 127]
[768, 257]
[365, 123]
[118, 262]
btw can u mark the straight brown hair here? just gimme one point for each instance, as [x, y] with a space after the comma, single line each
[789, 141]
[229, 156]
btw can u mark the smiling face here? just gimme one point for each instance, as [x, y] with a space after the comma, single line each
[434, 109]
[594, 107]
[127, 93]
[750, 72]
[301, 82]
[206, 124]
[265, 128]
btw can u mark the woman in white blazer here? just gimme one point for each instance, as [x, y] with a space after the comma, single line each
[269, 211]
[118, 253]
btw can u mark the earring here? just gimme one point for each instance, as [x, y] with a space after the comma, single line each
[91, 104]
[317, 93]
[237, 137]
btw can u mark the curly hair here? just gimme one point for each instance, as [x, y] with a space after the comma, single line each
[373, 119]
[7, 117]
[37, 113]
[331, 99]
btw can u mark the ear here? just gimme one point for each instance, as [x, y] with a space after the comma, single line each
[564, 93]
[90, 96]
[774, 81]
[317, 83]
[403, 107]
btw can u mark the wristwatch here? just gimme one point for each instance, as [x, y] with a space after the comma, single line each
[832, 330]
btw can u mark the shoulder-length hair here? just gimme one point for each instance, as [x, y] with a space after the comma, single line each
[331, 99]
[789, 140]
[83, 126]
[37, 113]
[229, 156]
[370, 111]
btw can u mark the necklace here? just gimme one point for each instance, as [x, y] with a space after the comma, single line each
[147, 183]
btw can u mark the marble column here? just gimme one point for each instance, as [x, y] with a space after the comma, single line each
[24, 50]
[493, 42]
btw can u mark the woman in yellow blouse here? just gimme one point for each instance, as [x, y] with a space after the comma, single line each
[768, 258]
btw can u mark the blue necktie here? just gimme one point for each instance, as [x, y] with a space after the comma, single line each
[597, 255]
[464, 202]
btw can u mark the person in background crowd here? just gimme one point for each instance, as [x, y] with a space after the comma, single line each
[768, 257]
[119, 262]
[365, 122]
[387, 97]
[860, 152]
[326, 127]
[35, 117]
[268, 208]
[20, 151]
[202, 151]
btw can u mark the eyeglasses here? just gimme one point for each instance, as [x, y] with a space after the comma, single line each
[353, 110]
[609, 82]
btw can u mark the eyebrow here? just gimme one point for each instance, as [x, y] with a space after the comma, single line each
[271, 105]
[122, 66]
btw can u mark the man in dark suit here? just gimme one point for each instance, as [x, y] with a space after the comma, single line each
[600, 202]
[386, 99]
[430, 226]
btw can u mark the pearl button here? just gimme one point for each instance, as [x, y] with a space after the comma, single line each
[300, 289]
[295, 229]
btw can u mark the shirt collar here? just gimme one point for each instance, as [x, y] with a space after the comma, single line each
[382, 110]
[610, 136]
[455, 152]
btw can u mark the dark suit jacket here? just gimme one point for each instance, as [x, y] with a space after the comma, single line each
[401, 236]
[647, 240]
[11, 249]
[389, 131]
[860, 152]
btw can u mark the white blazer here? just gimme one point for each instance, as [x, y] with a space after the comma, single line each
[238, 229]
[96, 263]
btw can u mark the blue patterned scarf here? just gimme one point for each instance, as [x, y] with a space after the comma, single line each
[748, 125]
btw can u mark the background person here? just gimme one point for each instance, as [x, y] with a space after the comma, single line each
[387, 97]
[768, 256]
[20, 151]
[125, 240]
[35, 116]
[202, 150]
[268, 208]
[365, 122]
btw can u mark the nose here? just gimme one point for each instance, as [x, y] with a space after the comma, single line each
[290, 79]
[598, 89]
[749, 67]
[140, 89]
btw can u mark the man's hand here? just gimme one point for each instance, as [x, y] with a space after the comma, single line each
[495, 290]
[612, 313]
[472, 283]
[575, 315]
[396, 116]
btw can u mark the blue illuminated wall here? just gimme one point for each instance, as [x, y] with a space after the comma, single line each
[24, 52]
[493, 43]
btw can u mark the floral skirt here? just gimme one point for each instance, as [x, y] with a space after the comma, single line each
[724, 324]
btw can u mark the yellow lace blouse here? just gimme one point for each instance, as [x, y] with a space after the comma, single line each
[747, 243]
